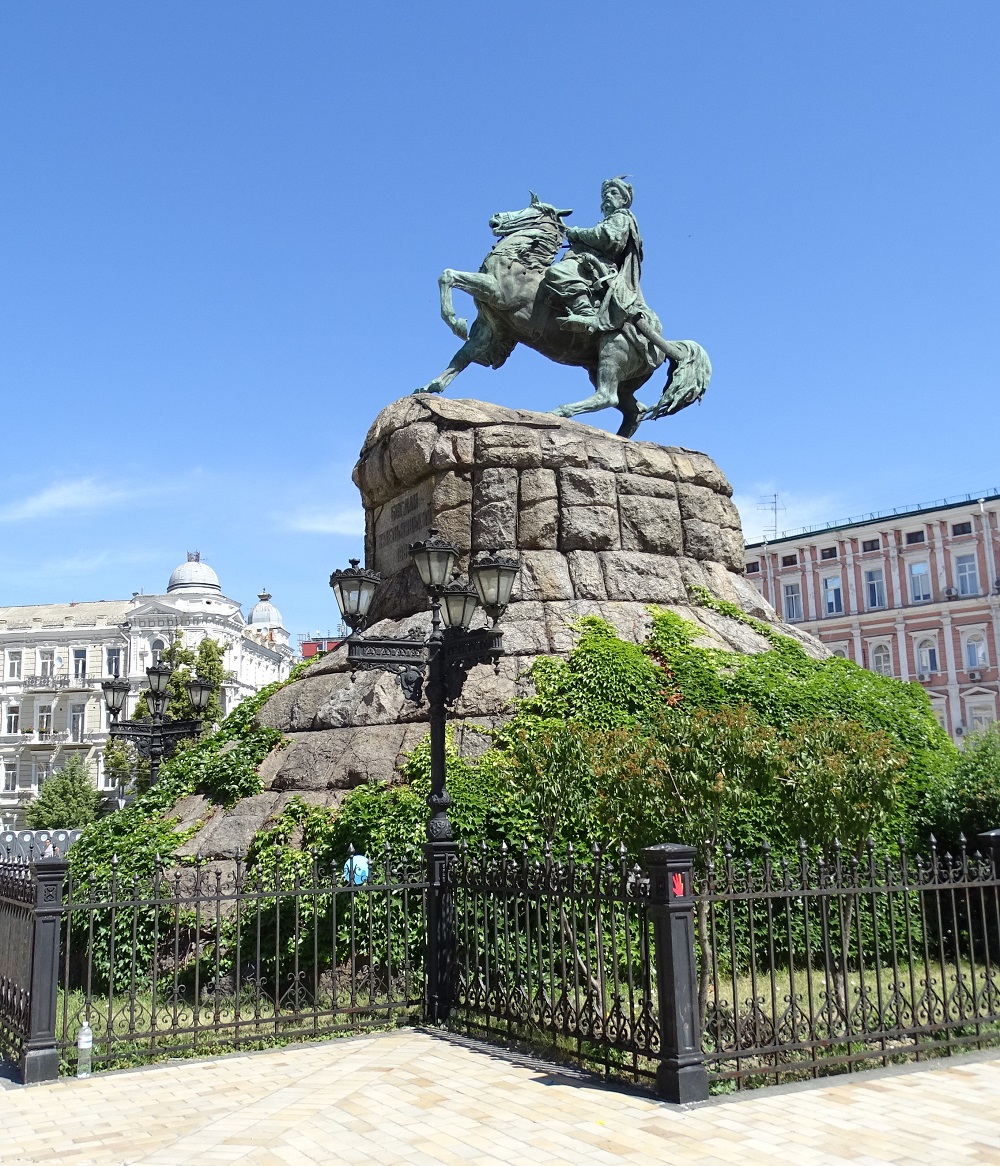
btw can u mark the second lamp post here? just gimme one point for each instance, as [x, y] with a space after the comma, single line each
[438, 665]
[155, 737]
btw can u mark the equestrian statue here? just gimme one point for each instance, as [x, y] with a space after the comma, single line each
[586, 309]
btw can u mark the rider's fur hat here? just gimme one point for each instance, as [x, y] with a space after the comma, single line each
[624, 188]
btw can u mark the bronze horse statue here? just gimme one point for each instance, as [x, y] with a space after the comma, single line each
[514, 307]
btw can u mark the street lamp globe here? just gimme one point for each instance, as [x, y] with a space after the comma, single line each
[354, 590]
[199, 693]
[493, 576]
[158, 675]
[115, 691]
[435, 559]
[458, 604]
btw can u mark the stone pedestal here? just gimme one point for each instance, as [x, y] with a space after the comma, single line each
[602, 526]
[591, 516]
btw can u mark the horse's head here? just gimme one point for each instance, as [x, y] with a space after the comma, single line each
[537, 215]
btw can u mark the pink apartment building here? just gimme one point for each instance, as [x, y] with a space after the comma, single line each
[912, 593]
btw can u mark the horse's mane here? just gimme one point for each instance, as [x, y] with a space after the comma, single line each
[535, 244]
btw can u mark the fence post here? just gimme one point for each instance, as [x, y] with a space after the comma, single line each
[40, 1060]
[680, 1075]
[439, 971]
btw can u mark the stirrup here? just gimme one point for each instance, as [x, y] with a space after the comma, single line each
[575, 323]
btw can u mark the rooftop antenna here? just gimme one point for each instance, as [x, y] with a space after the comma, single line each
[771, 503]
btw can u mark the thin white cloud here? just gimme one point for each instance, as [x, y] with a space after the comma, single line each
[72, 566]
[347, 520]
[794, 511]
[62, 497]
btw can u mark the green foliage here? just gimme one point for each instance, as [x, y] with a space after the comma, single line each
[222, 766]
[673, 741]
[970, 803]
[120, 758]
[67, 800]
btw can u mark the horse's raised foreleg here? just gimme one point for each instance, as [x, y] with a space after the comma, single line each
[479, 286]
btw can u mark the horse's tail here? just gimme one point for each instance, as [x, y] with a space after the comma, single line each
[690, 372]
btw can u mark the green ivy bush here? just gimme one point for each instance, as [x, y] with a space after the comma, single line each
[970, 802]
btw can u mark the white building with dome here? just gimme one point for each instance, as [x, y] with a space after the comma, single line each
[55, 655]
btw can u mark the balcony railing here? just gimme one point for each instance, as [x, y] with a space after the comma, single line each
[45, 737]
[53, 683]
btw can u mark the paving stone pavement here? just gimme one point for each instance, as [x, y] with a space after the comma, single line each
[413, 1097]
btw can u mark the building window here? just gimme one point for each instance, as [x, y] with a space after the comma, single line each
[157, 647]
[45, 662]
[13, 719]
[968, 575]
[833, 597]
[882, 660]
[920, 582]
[914, 536]
[793, 601]
[875, 587]
[975, 651]
[840, 653]
[43, 717]
[13, 665]
[980, 717]
[828, 553]
[105, 780]
[40, 771]
[961, 528]
[753, 568]
[114, 660]
[870, 544]
[9, 777]
[77, 721]
[927, 656]
[789, 560]
[79, 662]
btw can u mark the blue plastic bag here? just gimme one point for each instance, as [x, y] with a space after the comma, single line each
[356, 870]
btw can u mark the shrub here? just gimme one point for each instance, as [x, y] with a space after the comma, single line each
[66, 801]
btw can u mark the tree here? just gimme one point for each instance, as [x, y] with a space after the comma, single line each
[205, 661]
[67, 801]
[122, 763]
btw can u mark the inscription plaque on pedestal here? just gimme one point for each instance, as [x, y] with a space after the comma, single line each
[403, 520]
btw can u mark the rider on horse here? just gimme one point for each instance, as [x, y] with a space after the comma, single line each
[597, 281]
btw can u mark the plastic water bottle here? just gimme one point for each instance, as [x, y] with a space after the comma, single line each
[84, 1050]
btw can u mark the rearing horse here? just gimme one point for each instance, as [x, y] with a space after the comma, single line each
[513, 307]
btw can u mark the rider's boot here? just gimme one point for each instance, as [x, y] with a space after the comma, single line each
[581, 315]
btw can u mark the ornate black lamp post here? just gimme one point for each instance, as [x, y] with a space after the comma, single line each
[155, 736]
[438, 665]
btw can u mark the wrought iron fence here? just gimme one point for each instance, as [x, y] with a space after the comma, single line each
[827, 964]
[559, 953]
[682, 972]
[222, 955]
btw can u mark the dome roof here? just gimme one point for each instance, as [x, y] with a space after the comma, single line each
[194, 575]
[264, 613]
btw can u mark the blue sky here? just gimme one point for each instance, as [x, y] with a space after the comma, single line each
[221, 227]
